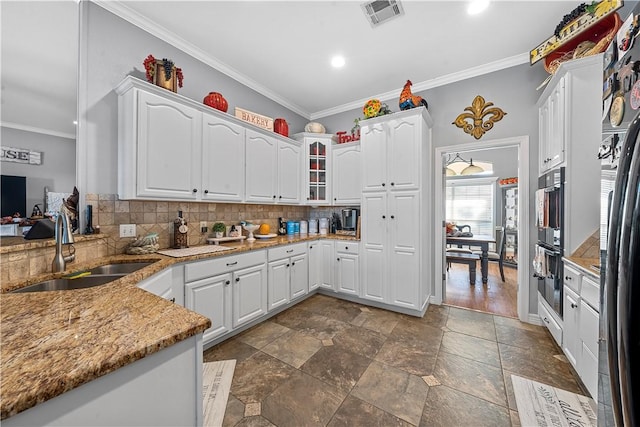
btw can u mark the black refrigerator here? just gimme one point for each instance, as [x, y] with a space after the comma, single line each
[619, 334]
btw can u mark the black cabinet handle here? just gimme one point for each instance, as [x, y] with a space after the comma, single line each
[574, 305]
[173, 299]
[206, 191]
[195, 190]
[346, 248]
[335, 198]
[280, 197]
[237, 279]
[393, 183]
[293, 263]
[338, 259]
[274, 196]
[567, 278]
[229, 264]
[289, 251]
[383, 216]
[287, 265]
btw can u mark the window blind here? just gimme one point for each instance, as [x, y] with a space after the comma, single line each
[471, 204]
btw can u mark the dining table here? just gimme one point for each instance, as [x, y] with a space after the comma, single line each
[479, 240]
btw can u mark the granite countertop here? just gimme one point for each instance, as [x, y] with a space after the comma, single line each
[585, 264]
[52, 342]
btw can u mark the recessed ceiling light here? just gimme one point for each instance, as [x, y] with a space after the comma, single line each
[477, 6]
[337, 61]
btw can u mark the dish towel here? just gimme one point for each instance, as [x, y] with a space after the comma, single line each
[539, 200]
[540, 262]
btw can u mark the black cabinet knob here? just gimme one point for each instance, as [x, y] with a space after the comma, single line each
[383, 184]
[280, 197]
[393, 183]
[383, 216]
[293, 263]
[338, 259]
[227, 282]
[206, 191]
[173, 299]
[237, 279]
[392, 216]
[195, 190]
[274, 196]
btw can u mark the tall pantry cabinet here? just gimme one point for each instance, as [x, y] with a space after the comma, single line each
[397, 209]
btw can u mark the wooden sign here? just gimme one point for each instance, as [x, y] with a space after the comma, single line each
[255, 119]
[21, 155]
[573, 29]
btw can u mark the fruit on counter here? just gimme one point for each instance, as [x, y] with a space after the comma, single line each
[264, 229]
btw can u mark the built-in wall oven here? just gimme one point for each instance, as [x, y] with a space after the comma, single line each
[550, 246]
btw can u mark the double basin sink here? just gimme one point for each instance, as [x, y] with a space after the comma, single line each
[87, 279]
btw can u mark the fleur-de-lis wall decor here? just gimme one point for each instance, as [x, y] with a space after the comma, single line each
[473, 122]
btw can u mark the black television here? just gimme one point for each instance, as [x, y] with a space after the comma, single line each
[14, 195]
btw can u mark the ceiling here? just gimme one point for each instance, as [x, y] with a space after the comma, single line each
[280, 48]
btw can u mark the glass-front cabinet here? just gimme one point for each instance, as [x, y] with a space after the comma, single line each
[317, 174]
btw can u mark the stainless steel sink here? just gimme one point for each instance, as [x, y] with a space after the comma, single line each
[98, 276]
[121, 269]
[66, 284]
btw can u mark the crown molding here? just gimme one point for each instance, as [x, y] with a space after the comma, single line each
[142, 22]
[37, 130]
[491, 67]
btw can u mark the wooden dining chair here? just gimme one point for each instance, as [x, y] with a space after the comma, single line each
[498, 255]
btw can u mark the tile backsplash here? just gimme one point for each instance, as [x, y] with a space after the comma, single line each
[157, 217]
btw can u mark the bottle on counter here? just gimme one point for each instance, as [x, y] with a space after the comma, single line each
[180, 230]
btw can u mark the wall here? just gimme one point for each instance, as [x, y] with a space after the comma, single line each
[58, 168]
[112, 49]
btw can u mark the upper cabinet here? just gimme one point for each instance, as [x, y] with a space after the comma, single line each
[173, 148]
[346, 162]
[317, 168]
[392, 165]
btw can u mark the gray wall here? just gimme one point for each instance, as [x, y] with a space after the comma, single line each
[115, 49]
[58, 168]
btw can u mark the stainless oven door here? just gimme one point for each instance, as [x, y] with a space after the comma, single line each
[550, 283]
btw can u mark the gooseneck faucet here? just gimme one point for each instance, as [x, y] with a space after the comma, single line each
[63, 236]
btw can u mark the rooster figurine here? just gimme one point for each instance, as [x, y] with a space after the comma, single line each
[408, 100]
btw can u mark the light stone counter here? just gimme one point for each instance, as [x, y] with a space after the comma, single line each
[52, 342]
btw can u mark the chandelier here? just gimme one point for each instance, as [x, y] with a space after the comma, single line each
[470, 169]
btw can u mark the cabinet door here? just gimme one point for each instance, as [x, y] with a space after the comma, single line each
[326, 247]
[169, 136]
[222, 160]
[374, 157]
[544, 135]
[315, 265]
[347, 280]
[299, 274]
[211, 298]
[160, 284]
[249, 294]
[404, 260]
[289, 172]
[347, 174]
[278, 280]
[261, 167]
[571, 344]
[403, 164]
[374, 246]
[318, 170]
[557, 114]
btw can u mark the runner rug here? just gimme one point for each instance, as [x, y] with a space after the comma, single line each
[216, 383]
[542, 405]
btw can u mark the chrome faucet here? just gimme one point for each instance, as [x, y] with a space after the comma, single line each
[63, 236]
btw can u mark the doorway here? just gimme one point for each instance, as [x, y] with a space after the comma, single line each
[521, 146]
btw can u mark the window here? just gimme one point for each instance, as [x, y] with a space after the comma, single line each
[472, 202]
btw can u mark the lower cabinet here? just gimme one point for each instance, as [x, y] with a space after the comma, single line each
[347, 268]
[571, 344]
[167, 284]
[321, 265]
[288, 275]
[230, 290]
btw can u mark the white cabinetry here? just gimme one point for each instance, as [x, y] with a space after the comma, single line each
[397, 209]
[347, 267]
[272, 169]
[168, 284]
[321, 265]
[288, 275]
[570, 134]
[317, 167]
[230, 290]
[223, 155]
[551, 121]
[346, 164]
[580, 333]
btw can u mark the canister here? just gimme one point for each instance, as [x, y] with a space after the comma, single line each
[323, 224]
[313, 226]
[291, 227]
[304, 227]
[296, 227]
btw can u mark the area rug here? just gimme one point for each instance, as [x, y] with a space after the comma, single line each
[216, 383]
[542, 405]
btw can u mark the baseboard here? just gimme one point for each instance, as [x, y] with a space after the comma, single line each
[535, 319]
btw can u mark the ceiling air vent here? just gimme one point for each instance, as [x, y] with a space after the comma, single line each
[380, 11]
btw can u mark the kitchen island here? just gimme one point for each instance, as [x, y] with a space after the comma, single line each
[55, 342]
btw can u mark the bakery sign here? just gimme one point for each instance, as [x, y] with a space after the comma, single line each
[255, 119]
[21, 155]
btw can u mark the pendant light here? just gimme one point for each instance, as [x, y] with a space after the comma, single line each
[471, 169]
[450, 172]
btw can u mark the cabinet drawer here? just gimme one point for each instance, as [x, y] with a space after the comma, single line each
[219, 265]
[572, 278]
[286, 251]
[550, 322]
[591, 292]
[589, 327]
[347, 247]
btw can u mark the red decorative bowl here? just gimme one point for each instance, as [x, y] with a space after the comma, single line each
[217, 101]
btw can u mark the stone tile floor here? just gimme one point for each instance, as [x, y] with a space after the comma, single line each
[329, 362]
